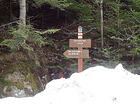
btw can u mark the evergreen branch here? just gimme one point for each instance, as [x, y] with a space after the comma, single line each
[135, 19]
[49, 31]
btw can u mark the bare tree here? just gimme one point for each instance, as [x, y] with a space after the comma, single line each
[100, 4]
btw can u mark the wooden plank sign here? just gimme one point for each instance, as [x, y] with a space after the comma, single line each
[82, 43]
[77, 53]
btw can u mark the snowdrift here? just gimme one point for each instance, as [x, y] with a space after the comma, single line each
[94, 86]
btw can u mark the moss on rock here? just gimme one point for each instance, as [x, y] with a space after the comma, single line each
[24, 64]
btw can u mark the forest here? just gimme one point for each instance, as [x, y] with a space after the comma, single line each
[34, 34]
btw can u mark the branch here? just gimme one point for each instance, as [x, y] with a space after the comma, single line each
[135, 19]
[74, 33]
[17, 21]
[89, 30]
[9, 23]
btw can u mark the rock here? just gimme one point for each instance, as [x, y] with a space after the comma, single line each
[15, 92]
[20, 71]
[28, 87]
[15, 77]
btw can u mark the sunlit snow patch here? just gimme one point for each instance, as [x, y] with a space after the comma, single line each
[94, 86]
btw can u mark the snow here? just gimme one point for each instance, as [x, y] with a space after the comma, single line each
[94, 86]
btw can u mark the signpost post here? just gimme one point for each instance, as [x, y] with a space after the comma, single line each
[79, 43]
[80, 60]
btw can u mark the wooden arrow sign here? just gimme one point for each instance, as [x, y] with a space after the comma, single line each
[76, 53]
[80, 43]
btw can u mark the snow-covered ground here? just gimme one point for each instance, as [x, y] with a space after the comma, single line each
[94, 86]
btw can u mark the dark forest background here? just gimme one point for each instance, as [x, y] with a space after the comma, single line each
[35, 50]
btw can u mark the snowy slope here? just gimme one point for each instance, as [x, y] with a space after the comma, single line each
[94, 86]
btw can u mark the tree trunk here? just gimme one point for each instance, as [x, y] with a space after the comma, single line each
[118, 14]
[102, 38]
[22, 17]
[11, 14]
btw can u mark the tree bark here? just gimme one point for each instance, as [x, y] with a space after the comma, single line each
[22, 17]
[102, 35]
[118, 14]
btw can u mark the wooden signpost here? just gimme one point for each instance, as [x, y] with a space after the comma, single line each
[79, 43]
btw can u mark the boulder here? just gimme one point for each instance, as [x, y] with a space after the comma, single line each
[22, 74]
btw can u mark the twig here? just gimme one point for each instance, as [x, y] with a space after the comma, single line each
[136, 19]
[42, 85]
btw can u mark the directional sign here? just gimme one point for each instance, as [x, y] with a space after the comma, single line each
[80, 43]
[77, 53]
